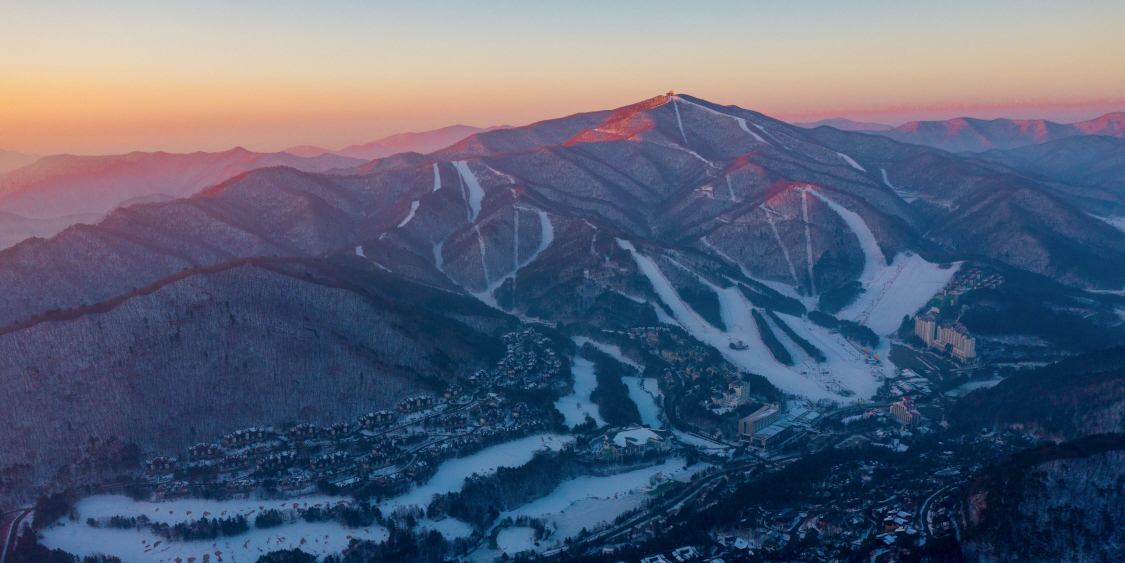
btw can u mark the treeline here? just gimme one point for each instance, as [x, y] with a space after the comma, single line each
[849, 329]
[768, 298]
[611, 394]
[776, 348]
[804, 344]
[833, 300]
[704, 301]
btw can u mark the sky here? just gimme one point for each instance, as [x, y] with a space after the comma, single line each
[115, 76]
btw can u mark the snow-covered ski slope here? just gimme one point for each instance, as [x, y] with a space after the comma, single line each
[476, 193]
[873, 260]
[894, 290]
[409, 216]
[741, 122]
[846, 368]
[898, 290]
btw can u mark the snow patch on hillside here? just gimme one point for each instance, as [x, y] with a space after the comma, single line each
[359, 251]
[437, 178]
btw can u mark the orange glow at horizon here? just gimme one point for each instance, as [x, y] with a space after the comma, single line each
[210, 76]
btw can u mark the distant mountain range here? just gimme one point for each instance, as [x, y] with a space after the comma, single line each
[40, 196]
[11, 160]
[844, 124]
[425, 142]
[967, 134]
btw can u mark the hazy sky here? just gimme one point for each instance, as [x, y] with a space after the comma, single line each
[115, 75]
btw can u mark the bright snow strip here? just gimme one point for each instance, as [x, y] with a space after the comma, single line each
[546, 237]
[608, 349]
[437, 178]
[577, 405]
[409, 216]
[359, 251]
[678, 121]
[1117, 222]
[852, 162]
[850, 372]
[873, 260]
[451, 476]
[896, 291]
[134, 546]
[741, 122]
[476, 193]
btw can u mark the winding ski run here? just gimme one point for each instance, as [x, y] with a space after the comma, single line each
[845, 377]
[546, 237]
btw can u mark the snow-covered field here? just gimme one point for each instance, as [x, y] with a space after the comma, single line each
[575, 406]
[898, 290]
[1117, 222]
[586, 502]
[143, 547]
[318, 538]
[451, 476]
[962, 390]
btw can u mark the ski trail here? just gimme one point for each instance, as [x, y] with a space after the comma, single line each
[483, 264]
[437, 178]
[808, 240]
[546, 237]
[516, 238]
[735, 310]
[409, 216]
[779, 287]
[741, 121]
[359, 251]
[679, 121]
[784, 251]
[886, 180]
[874, 262]
[852, 162]
[730, 189]
[437, 255]
[476, 194]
